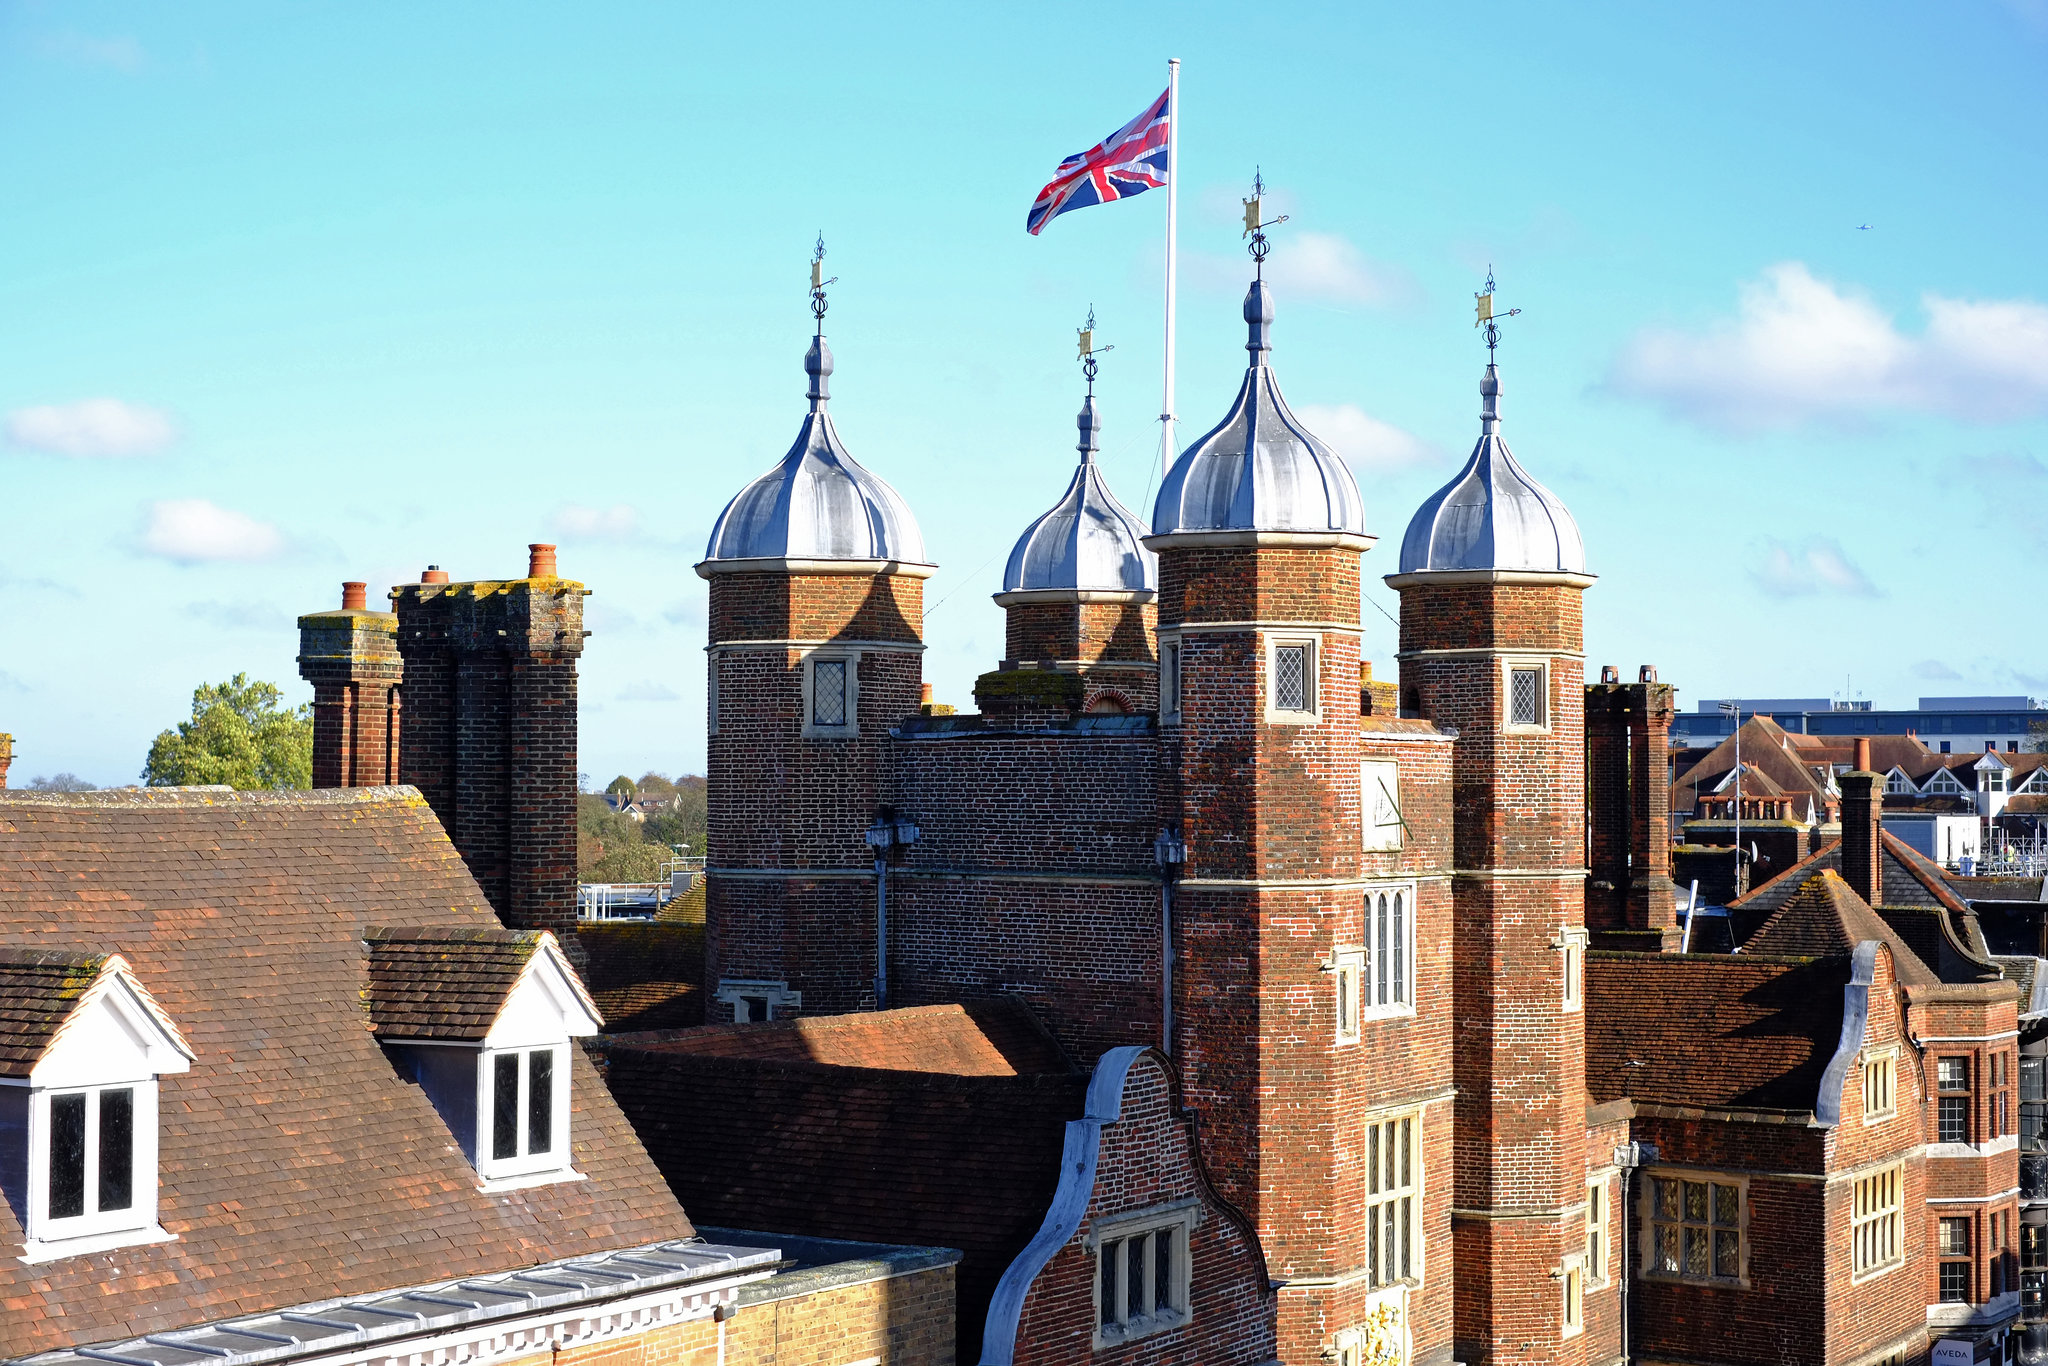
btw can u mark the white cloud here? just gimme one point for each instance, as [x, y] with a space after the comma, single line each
[1365, 441]
[1309, 267]
[650, 692]
[122, 53]
[1801, 349]
[1816, 565]
[614, 523]
[93, 426]
[241, 616]
[192, 530]
[1933, 668]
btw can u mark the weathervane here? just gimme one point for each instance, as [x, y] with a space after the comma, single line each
[818, 283]
[1255, 227]
[1089, 351]
[1487, 318]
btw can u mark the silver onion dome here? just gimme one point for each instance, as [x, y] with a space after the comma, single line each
[1259, 469]
[1088, 540]
[818, 503]
[1493, 514]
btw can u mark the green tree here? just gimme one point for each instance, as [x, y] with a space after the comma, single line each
[240, 735]
[622, 788]
[2037, 738]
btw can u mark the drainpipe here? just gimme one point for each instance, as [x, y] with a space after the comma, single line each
[1170, 852]
[888, 834]
[1628, 1157]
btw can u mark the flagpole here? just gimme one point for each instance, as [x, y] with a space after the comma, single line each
[1166, 415]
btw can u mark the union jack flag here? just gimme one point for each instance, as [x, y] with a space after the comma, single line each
[1129, 161]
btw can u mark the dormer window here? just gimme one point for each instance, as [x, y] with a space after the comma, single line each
[482, 1019]
[79, 1060]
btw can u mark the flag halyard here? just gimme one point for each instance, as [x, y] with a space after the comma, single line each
[1129, 161]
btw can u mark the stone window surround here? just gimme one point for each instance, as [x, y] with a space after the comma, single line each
[1179, 1216]
[1509, 663]
[1571, 945]
[1887, 1057]
[733, 990]
[1402, 1006]
[1417, 1188]
[1312, 685]
[1169, 676]
[1599, 1227]
[809, 662]
[1571, 1277]
[1645, 1214]
[1895, 1210]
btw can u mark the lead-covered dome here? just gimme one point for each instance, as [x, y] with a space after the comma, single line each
[1259, 469]
[1088, 540]
[1493, 515]
[818, 503]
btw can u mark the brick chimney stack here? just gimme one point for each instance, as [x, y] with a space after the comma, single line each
[1862, 826]
[1630, 900]
[351, 659]
[6, 757]
[490, 699]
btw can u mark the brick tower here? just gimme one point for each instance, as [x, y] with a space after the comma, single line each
[1080, 591]
[351, 659]
[1317, 1117]
[490, 730]
[816, 573]
[1491, 580]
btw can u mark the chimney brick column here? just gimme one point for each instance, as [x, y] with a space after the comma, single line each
[6, 757]
[1862, 823]
[351, 658]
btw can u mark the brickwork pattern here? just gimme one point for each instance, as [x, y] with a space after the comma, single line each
[1148, 1159]
[490, 688]
[351, 659]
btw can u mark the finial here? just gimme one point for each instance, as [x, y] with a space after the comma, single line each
[1087, 421]
[818, 360]
[1487, 318]
[1255, 226]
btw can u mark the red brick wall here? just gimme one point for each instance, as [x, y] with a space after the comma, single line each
[490, 702]
[1978, 1022]
[780, 801]
[1519, 802]
[1147, 1159]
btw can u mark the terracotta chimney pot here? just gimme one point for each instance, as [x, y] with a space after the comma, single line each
[540, 562]
[435, 574]
[354, 596]
[1862, 755]
[924, 693]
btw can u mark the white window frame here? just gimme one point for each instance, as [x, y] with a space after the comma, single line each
[1312, 684]
[522, 1167]
[1178, 1219]
[1348, 971]
[1169, 677]
[1599, 1209]
[851, 727]
[1509, 664]
[1881, 1071]
[736, 991]
[1572, 1287]
[1571, 946]
[1877, 1223]
[1650, 1222]
[1397, 965]
[94, 1230]
[1379, 785]
[1378, 1192]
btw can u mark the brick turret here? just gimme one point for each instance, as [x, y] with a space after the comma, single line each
[816, 574]
[1492, 575]
[1300, 937]
[351, 658]
[490, 702]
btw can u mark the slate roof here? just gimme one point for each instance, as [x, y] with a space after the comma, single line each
[1709, 1030]
[1825, 916]
[38, 989]
[447, 982]
[296, 1164]
[918, 1126]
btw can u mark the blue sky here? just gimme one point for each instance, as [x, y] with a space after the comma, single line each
[293, 294]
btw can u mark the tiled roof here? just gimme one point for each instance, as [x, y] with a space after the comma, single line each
[1710, 1030]
[992, 1038]
[442, 982]
[751, 1126]
[646, 974]
[1825, 916]
[38, 988]
[297, 1164]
